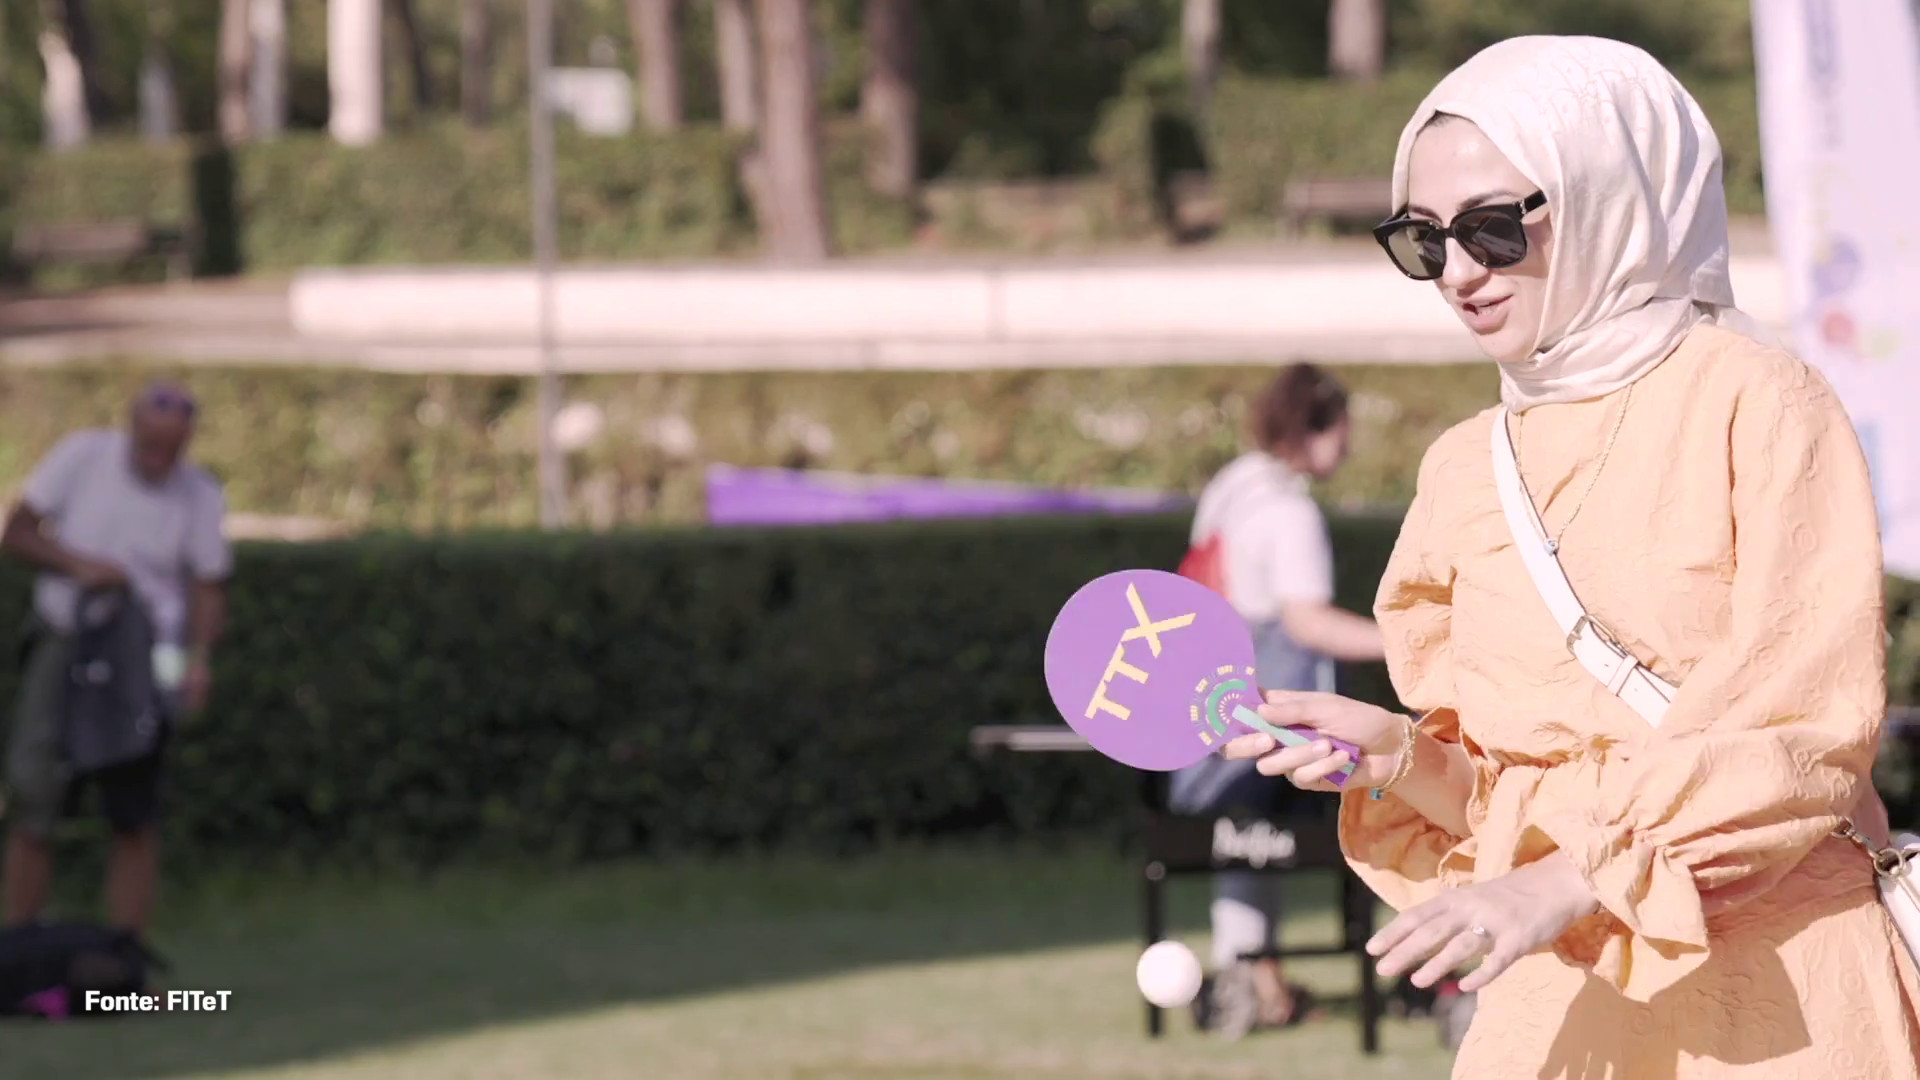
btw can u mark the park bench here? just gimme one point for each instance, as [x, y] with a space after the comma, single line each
[118, 242]
[1365, 201]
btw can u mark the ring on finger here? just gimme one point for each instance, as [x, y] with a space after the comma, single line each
[1485, 935]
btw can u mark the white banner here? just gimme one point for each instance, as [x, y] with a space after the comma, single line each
[1839, 85]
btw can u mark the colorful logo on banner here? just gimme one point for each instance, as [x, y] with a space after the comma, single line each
[1833, 275]
[1839, 96]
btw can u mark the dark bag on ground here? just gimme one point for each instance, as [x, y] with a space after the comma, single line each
[46, 969]
[114, 707]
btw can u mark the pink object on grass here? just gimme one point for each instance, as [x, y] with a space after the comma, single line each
[51, 1004]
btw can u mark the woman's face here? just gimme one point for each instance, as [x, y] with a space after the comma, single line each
[1454, 167]
[1323, 452]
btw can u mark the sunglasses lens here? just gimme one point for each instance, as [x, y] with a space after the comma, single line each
[1418, 249]
[1493, 239]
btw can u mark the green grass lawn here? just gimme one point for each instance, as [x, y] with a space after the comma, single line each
[944, 964]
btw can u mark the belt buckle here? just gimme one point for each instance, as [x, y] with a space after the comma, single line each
[1600, 634]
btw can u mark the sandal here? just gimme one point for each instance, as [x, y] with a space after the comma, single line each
[1303, 1006]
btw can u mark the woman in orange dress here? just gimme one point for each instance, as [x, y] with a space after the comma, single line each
[1650, 901]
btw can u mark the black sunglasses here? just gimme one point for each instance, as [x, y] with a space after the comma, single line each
[1491, 235]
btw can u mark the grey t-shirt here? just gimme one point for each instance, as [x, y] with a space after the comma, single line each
[165, 536]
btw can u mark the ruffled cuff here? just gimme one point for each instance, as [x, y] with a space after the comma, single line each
[1652, 928]
[1402, 855]
[1404, 858]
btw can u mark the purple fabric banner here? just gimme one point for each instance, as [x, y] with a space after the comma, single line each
[742, 496]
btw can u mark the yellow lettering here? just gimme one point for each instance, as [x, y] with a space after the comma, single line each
[1102, 703]
[1147, 628]
[1117, 666]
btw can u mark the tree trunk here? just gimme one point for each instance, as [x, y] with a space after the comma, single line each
[890, 99]
[476, 62]
[739, 71]
[1357, 39]
[407, 15]
[739, 80]
[356, 115]
[790, 135]
[159, 97]
[267, 82]
[656, 38]
[1200, 48]
[65, 51]
[236, 60]
[159, 103]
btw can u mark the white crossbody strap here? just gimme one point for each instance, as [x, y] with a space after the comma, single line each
[1591, 643]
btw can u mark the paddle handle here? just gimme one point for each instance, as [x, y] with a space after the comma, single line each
[1301, 736]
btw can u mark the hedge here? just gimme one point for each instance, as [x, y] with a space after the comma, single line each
[1264, 131]
[438, 194]
[1008, 87]
[447, 195]
[379, 450]
[400, 703]
[393, 702]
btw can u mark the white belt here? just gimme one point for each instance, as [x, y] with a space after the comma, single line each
[1617, 669]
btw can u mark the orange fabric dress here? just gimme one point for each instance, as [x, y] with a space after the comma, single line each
[1731, 542]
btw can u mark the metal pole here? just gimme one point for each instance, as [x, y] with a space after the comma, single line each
[539, 61]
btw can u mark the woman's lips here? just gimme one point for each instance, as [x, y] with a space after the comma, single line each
[1484, 316]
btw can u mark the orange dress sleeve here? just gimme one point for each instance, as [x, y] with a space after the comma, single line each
[1403, 857]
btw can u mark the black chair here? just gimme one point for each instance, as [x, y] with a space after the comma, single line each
[1181, 844]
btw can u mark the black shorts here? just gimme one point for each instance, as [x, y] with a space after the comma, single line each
[129, 792]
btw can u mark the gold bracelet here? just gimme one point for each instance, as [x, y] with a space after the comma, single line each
[1403, 761]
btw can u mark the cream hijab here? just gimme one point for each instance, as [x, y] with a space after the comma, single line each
[1631, 169]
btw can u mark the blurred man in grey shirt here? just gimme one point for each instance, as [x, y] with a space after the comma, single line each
[110, 508]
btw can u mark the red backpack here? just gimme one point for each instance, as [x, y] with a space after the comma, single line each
[1206, 563]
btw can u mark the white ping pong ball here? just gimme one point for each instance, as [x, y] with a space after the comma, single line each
[1168, 974]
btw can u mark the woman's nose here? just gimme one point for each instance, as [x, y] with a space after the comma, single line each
[1461, 270]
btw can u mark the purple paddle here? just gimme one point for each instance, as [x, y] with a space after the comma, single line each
[1156, 671]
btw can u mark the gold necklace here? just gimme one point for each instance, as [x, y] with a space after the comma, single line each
[1553, 542]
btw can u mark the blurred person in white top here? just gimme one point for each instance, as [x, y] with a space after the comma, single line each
[107, 509]
[1260, 540]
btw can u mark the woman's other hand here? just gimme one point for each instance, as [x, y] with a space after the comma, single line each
[1379, 734]
[1499, 921]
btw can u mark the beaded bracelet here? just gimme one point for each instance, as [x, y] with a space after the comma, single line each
[1403, 761]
